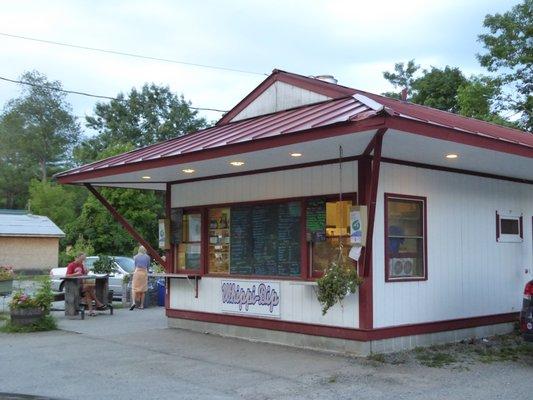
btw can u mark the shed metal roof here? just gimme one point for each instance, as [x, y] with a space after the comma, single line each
[276, 124]
[28, 225]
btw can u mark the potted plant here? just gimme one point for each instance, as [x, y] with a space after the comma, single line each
[26, 309]
[339, 280]
[6, 279]
[104, 265]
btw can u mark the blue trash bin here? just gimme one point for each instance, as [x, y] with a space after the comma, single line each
[161, 292]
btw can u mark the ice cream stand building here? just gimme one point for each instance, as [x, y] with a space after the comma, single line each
[254, 216]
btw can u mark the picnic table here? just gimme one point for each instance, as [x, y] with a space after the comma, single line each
[72, 292]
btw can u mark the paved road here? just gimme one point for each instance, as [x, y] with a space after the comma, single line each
[133, 355]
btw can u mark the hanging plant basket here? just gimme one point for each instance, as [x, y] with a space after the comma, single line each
[339, 280]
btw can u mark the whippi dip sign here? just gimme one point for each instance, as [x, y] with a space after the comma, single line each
[251, 298]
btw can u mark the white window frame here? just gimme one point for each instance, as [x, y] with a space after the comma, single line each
[509, 238]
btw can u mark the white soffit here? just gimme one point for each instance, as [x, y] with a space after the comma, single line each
[313, 151]
[421, 149]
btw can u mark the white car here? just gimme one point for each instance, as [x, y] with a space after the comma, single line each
[123, 266]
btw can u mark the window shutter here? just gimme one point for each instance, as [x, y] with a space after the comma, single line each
[497, 226]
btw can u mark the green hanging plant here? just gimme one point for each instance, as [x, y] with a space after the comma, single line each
[338, 281]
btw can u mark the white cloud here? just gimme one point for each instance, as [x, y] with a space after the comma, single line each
[353, 40]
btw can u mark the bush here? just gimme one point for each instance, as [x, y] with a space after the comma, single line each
[42, 299]
[47, 323]
[104, 265]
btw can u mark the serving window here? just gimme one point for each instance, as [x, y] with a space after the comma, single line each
[324, 241]
[405, 238]
[189, 250]
[292, 238]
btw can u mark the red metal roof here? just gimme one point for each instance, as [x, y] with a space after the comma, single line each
[347, 105]
[280, 123]
[442, 118]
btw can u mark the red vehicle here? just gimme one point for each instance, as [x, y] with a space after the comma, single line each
[526, 316]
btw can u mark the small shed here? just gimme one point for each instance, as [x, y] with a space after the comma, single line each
[255, 217]
[28, 242]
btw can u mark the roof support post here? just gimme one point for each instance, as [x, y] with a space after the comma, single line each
[371, 196]
[368, 177]
[126, 225]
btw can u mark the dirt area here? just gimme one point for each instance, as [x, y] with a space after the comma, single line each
[465, 353]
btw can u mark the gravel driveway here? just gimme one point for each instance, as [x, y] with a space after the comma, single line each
[133, 355]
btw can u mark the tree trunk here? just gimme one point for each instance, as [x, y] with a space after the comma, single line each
[42, 163]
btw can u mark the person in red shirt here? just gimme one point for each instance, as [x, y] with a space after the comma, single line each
[76, 268]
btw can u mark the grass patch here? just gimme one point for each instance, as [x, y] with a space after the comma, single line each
[435, 359]
[505, 353]
[332, 379]
[378, 357]
[47, 323]
[4, 316]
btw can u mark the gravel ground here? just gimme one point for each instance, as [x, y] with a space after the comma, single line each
[133, 354]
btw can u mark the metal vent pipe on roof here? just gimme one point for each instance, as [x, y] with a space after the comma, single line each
[326, 78]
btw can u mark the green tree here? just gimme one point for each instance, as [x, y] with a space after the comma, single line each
[141, 118]
[437, 88]
[509, 46]
[39, 126]
[449, 90]
[142, 209]
[56, 202]
[402, 78]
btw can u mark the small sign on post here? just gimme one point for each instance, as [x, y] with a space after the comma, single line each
[358, 223]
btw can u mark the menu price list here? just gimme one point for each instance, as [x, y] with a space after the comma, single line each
[265, 239]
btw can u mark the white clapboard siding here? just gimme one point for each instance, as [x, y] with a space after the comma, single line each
[469, 273]
[298, 303]
[318, 180]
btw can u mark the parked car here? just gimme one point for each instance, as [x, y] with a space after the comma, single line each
[123, 266]
[526, 316]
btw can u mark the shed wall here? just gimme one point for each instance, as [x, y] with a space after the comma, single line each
[29, 252]
[323, 179]
[469, 273]
[297, 302]
[279, 96]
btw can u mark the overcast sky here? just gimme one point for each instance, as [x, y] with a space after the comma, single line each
[353, 40]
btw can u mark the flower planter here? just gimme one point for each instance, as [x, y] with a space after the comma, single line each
[6, 287]
[26, 316]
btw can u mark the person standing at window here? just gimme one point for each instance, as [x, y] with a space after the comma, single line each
[140, 278]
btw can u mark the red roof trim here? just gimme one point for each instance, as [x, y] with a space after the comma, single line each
[455, 135]
[311, 84]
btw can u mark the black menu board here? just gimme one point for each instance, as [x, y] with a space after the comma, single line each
[176, 225]
[265, 239]
[241, 247]
[316, 220]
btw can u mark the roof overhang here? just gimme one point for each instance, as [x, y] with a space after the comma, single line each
[406, 140]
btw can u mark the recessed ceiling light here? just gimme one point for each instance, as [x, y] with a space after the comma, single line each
[188, 170]
[451, 156]
[296, 154]
[146, 177]
[237, 163]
